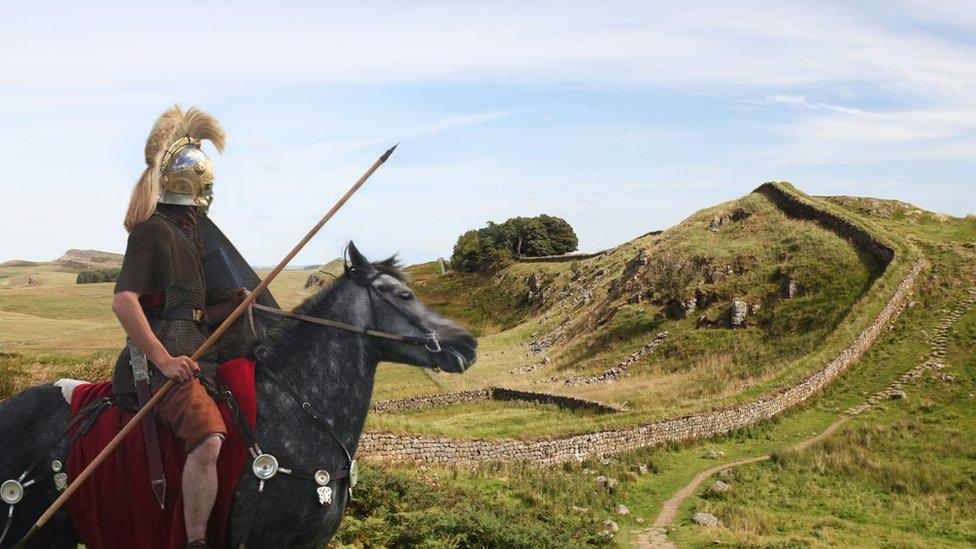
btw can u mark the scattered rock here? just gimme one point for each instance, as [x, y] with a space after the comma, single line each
[720, 221]
[948, 378]
[639, 520]
[577, 509]
[737, 313]
[621, 509]
[898, 395]
[601, 480]
[791, 289]
[719, 487]
[642, 469]
[611, 526]
[726, 473]
[712, 454]
[611, 483]
[704, 519]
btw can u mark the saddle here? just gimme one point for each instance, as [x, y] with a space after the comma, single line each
[117, 507]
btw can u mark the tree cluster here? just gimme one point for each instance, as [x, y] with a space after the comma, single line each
[91, 276]
[496, 245]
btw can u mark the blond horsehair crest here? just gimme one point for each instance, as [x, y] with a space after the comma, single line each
[173, 150]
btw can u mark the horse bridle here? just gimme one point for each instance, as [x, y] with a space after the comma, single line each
[429, 341]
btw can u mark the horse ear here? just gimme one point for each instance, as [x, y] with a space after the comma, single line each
[357, 260]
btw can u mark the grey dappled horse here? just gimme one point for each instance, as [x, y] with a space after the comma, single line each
[329, 368]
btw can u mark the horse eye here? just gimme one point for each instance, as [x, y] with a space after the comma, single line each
[406, 296]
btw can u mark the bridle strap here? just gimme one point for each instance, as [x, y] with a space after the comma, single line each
[341, 325]
[306, 407]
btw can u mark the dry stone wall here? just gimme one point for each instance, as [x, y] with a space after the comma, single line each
[543, 452]
[493, 393]
[796, 206]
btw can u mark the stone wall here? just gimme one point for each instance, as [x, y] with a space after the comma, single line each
[559, 258]
[492, 393]
[707, 424]
[796, 206]
[431, 401]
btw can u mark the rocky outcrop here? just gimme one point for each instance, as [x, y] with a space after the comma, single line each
[737, 313]
[720, 221]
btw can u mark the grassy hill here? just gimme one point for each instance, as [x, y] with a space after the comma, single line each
[898, 474]
[804, 289]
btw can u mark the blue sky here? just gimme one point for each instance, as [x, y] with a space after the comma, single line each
[621, 117]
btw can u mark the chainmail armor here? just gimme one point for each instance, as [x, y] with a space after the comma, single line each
[164, 256]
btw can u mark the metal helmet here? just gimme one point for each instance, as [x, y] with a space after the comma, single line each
[175, 164]
[187, 175]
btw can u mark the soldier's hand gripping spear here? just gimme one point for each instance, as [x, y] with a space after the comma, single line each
[137, 419]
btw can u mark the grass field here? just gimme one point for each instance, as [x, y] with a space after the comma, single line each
[900, 475]
[695, 368]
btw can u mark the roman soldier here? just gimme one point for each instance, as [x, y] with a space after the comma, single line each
[179, 276]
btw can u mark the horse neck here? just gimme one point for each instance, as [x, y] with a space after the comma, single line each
[331, 369]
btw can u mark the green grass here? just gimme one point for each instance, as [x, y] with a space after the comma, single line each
[695, 368]
[900, 475]
[796, 510]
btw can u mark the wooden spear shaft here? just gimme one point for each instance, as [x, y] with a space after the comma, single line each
[136, 419]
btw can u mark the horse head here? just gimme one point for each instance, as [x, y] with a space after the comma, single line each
[434, 340]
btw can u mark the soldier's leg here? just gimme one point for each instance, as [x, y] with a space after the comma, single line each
[193, 416]
[200, 487]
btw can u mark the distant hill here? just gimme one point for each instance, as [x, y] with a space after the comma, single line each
[325, 274]
[73, 260]
[87, 259]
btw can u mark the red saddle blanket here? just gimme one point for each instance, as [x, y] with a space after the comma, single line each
[116, 507]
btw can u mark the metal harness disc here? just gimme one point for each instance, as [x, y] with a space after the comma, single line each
[265, 466]
[11, 491]
[322, 477]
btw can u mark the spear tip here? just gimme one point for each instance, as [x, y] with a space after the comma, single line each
[389, 152]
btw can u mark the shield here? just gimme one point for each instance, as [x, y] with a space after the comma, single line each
[225, 269]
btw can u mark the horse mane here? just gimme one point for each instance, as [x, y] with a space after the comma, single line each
[393, 267]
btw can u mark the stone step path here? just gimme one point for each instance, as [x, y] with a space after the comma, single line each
[656, 536]
[937, 353]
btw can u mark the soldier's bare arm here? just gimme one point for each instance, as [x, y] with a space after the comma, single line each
[126, 307]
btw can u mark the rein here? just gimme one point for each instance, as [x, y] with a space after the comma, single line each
[430, 341]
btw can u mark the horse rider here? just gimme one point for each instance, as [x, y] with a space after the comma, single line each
[162, 301]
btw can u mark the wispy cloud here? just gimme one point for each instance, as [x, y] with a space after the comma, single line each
[563, 100]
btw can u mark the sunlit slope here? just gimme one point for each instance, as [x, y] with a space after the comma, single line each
[804, 291]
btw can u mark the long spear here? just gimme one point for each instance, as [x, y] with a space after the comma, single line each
[137, 419]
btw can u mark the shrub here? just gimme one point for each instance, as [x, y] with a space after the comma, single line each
[493, 247]
[89, 276]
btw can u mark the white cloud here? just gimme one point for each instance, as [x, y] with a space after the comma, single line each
[856, 84]
[104, 46]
